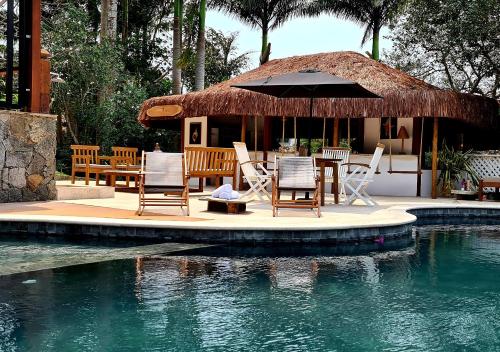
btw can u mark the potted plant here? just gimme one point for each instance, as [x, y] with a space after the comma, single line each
[455, 165]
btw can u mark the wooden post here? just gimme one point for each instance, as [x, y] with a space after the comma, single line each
[335, 132]
[416, 149]
[243, 129]
[242, 139]
[183, 123]
[256, 131]
[35, 48]
[434, 158]
[267, 137]
[45, 82]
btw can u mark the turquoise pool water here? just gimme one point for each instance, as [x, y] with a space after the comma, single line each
[440, 293]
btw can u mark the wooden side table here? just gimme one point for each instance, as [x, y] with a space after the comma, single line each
[333, 163]
[111, 176]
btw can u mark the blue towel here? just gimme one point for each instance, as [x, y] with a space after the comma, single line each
[224, 188]
[229, 195]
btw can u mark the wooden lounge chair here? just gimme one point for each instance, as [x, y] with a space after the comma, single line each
[358, 180]
[337, 153]
[258, 181]
[163, 173]
[295, 174]
[86, 159]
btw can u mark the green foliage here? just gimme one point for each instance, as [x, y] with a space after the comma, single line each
[372, 14]
[454, 165]
[453, 44]
[221, 60]
[88, 68]
[263, 14]
[105, 82]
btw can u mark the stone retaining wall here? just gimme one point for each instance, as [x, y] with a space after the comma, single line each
[27, 156]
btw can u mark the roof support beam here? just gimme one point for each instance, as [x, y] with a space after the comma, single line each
[335, 142]
[35, 59]
[434, 157]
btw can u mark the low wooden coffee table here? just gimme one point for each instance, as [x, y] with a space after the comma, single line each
[235, 206]
[111, 176]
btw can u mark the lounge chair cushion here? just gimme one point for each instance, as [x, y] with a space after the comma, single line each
[297, 173]
[164, 169]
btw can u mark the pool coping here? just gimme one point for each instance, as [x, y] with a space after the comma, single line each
[232, 233]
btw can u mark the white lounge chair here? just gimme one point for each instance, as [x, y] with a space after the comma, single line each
[258, 181]
[343, 155]
[295, 174]
[358, 180]
[163, 173]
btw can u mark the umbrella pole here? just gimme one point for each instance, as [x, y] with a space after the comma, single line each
[255, 137]
[309, 129]
[283, 130]
[324, 129]
[295, 133]
[349, 132]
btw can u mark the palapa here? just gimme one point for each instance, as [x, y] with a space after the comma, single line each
[404, 96]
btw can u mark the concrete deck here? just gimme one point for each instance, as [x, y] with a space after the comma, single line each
[120, 211]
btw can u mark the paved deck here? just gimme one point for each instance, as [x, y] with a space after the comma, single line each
[120, 211]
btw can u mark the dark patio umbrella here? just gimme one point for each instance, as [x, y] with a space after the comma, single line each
[307, 84]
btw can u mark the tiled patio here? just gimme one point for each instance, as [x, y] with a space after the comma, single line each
[120, 210]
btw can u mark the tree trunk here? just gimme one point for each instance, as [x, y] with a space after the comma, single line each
[109, 10]
[199, 81]
[375, 44]
[265, 50]
[104, 18]
[125, 20]
[177, 47]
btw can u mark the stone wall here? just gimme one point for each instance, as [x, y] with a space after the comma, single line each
[27, 156]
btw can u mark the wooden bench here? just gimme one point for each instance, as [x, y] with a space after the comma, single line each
[488, 182]
[205, 162]
[86, 159]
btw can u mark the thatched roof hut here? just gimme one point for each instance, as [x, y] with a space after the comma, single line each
[404, 95]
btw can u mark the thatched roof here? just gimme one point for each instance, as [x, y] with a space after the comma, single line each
[404, 95]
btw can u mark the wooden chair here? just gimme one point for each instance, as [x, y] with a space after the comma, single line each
[126, 152]
[295, 174]
[359, 179]
[86, 159]
[163, 173]
[337, 153]
[254, 173]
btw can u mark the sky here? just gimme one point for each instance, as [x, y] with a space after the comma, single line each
[297, 36]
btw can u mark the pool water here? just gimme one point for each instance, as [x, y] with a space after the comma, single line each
[441, 293]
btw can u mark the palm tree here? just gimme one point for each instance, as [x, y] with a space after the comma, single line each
[199, 81]
[177, 48]
[264, 14]
[373, 14]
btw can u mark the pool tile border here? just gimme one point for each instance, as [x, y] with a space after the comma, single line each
[251, 236]
[423, 215]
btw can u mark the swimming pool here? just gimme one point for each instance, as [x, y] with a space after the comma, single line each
[439, 293]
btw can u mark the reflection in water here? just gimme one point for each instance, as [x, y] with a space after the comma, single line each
[440, 293]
